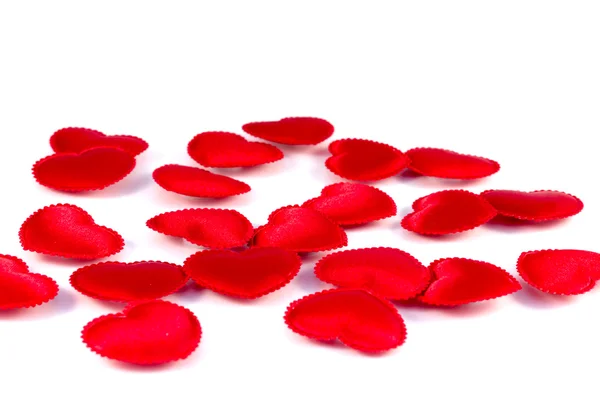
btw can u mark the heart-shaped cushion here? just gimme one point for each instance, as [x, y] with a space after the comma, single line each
[21, 288]
[291, 131]
[538, 206]
[449, 164]
[76, 140]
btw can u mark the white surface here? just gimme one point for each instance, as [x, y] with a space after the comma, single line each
[516, 81]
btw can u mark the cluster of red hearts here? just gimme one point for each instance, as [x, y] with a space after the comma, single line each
[242, 261]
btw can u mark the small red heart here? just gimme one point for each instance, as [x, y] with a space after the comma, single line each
[249, 274]
[208, 227]
[301, 230]
[449, 164]
[365, 160]
[353, 203]
[448, 211]
[459, 281]
[135, 281]
[93, 169]
[153, 332]
[76, 140]
[540, 205]
[228, 150]
[65, 230]
[354, 317]
[386, 272]
[21, 288]
[196, 182]
[292, 131]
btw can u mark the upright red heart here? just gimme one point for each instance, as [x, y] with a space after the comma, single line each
[21, 288]
[65, 230]
[540, 205]
[450, 164]
[76, 140]
[354, 317]
[197, 182]
[293, 130]
[154, 332]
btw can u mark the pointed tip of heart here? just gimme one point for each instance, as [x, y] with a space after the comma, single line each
[483, 171]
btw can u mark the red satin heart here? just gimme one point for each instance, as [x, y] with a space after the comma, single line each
[76, 140]
[459, 281]
[353, 203]
[228, 150]
[448, 211]
[386, 272]
[92, 169]
[65, 230]
[154, 332]
[538, 206]
[354, 317]
[135, 281]
[292, 131]
[21, 288]
[208, 227]
[249, 274]
[196, 182]
[365, 160]
[450, 164]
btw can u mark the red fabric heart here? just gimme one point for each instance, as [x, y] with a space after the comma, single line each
[154, 332]
[301, 230]
[386, 272]
[353, 203]
[92, 169]
[354, 317]
[365, 160]
[450, 164]
[540, 205]
[76, 140]
[21, 288]
[65, 230]
[448, 211]
[292, 131]
[249, 274]
[228, 150]
[563, 272]
[208, 227]
[119, 281]
[459, 281]
[196, 182]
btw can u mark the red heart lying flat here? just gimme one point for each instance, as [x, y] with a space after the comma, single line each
[292, 131]
[197, 182]
[93, 169]
[353, 203]
[449, 164]
[249, 274]
[228, 150]
[21, 288]
[119, 281]
[459, 281]
[538, 206]
[386, 272]
[355, 317]
[208, 227]
[65, 230]
[76, 140]
[448, 211]
[154, 332]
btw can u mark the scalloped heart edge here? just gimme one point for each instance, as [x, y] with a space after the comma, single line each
[55, 286]
[496, 164]
[289, 118]
[146, 144]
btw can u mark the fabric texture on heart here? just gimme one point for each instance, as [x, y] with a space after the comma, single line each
[92, 169]
[148, 333]
[135, 281]
[353, 204]
[228, 150]
[65, 230]
[458, 281]
[386, 272]
[196, 182]
[208, 227]
[77, 140]
[20, 288]
[537, 206]
[354, 317]
[292, 130]
[248, 274]
[449, 164]
[448, 211]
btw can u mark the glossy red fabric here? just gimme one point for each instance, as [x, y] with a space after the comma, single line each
[21, 288]
[154, 332]
[449, 164]
[76, 140]
[291, 131]
[65, 230]
[196, 182]
[540, 205]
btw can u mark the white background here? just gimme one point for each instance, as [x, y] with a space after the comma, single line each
[515, 80]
